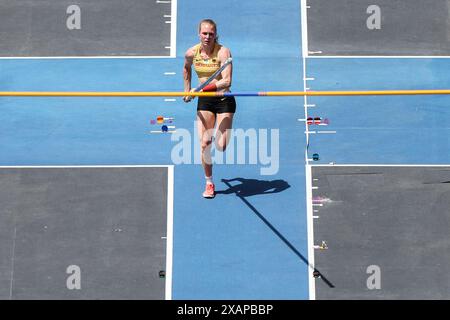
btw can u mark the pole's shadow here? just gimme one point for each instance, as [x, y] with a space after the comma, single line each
[252, 187]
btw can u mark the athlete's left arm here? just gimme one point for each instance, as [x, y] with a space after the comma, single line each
[227, 73]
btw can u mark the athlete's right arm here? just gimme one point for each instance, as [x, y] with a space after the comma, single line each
[187, 73]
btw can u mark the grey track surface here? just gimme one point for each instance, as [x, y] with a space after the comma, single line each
[107, 221]
[396, 218]
[408, 27]
[108, 28]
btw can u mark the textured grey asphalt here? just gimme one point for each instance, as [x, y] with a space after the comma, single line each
[408, 27]
[396, 218]
[108, 28]
[107, 221]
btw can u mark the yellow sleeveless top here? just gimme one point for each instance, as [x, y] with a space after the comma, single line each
[206, 67]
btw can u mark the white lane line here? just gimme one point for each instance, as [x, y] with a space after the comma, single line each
[310, 232]
[12, 260]
[173, 29]
[308, 169]
[169, 244]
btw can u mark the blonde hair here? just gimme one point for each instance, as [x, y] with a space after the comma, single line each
[211, 22]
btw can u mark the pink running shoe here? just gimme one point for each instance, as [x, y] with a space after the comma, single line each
[209, 191]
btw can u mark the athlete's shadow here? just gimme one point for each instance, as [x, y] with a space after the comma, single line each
[252, 187]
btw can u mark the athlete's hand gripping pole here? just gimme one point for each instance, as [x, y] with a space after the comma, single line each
[208, 81]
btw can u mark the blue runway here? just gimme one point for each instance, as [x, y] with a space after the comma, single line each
[226, 248]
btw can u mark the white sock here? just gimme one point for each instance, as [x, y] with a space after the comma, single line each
[209, 180]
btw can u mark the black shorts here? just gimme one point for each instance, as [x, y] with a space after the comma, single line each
[217, 104]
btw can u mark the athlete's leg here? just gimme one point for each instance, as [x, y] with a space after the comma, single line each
[205, 126]
[223, 133]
